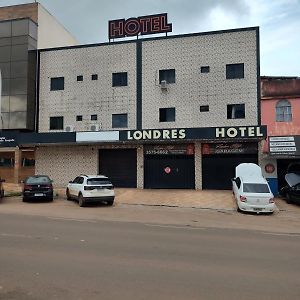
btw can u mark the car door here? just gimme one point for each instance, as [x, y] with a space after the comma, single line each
[236, 187]
[72, 187]
[78, 185]
[295, 192]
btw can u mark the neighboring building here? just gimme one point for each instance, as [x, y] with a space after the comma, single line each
[167, 112]
[23, 29]
[280, 109]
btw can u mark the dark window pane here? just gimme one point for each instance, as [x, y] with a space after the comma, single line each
[204, 108]
[167, 114]
[283, 111]
[119, 121]
[56, 123]
[167, 75]
[236, 111]
[234, 71]
[20, 27]
[19, 52]
[119, 79]
[255, 188]
[205, 69]
[78, 118]
[94, 117]
[80, 78]
[5, 53]
[57, 83]
[95, 181]
[95, 77]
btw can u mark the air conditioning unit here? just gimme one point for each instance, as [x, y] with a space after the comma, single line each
[69, 128]
[164, 84]
[95, 127]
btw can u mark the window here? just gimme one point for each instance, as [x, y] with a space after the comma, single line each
[238, 182]
[204, 108]
[255, 188]
[57, 83]
[56, 123]
[79, 78]
[167, 75]
[78, 118]
[234, 71]
[167, 114]
[236, 111]
[94, 117]
[205, 69]
[119, 121]
[28, 162]
[95, 77]
[7, 162]
[119, 79]
[283, 111]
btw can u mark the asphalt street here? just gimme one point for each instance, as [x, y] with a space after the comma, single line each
[56, 258]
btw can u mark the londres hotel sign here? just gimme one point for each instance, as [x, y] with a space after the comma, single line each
[141, 25]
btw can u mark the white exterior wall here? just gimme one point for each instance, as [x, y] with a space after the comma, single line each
[88, 97]
[192, 88]
[51, 33]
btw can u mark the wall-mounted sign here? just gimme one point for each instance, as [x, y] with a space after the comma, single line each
[177, 149]
[269, 168]
[284, 145]
[8, 140]
[211, 133]
[229, 148]
[142, 25]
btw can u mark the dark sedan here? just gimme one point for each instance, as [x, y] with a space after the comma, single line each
[38, 187]
[292, 190]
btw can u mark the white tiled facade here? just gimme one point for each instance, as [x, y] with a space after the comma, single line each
[192, 89]
[87, 97]
[185, 54]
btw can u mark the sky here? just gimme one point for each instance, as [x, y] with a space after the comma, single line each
[279, 22]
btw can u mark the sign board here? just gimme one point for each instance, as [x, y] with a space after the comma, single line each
[177, 149]
[8, 139]
[151, 24]
[210, 133]
[229, 148]
[284, 145]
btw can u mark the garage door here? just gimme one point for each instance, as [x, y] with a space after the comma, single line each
[169, 172]
[217, 170]
[119, 165]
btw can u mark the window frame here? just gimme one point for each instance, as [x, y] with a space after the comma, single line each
[232, 71]
[94, 76]
[203, 108]
[79, 77]
[94, 117]
[164, 75]
[114, 121]
[234, 113]
[56, 85]
[118, 81]
[204, 69]
[163, 114]
[79, 118]
[56, 117]
[283, 111]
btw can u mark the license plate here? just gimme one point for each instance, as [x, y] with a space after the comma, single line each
[257, 209]
[39, 195]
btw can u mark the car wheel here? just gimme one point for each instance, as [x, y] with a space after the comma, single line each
[81, 200]
[50, 199]
[2, 194]
[110, 202]
[288, 198]
[68, 194]
[24, 199]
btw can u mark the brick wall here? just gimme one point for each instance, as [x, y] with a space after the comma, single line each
[20, 11]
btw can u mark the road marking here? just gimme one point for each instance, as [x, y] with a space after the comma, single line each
[69, 219]
[17, 235]
[282, 234]
[174, 226]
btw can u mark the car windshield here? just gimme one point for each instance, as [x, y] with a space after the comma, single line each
[256, 188]
[95, 181]
[37, 180]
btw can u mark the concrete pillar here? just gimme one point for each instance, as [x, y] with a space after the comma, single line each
[198, 166]
[17, 167]
[140, 167]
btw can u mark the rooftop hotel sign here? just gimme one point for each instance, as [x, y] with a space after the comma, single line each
[141, 25]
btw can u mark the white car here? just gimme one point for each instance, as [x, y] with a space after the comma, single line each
[91, 188]
[251, 190]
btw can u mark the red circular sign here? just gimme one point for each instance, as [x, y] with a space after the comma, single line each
[167, 170]
[269, 168]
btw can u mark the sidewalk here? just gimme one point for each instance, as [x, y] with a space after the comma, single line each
[222, 200]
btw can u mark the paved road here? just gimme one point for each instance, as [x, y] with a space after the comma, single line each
[55, 258]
